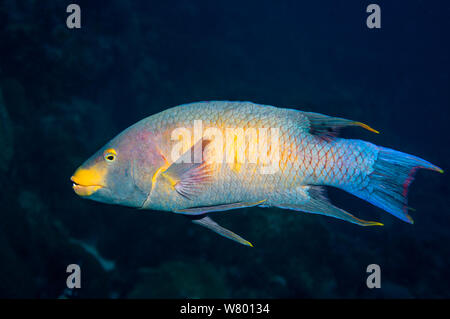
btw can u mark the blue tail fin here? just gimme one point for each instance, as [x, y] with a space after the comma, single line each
[392, 174]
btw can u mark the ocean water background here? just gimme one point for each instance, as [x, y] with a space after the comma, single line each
[64, 93]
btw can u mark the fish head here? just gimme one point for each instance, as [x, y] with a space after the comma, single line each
[121, 171]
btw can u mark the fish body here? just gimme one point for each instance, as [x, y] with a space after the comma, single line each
[206, 157]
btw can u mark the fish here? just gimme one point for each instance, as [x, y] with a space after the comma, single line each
[199, 158]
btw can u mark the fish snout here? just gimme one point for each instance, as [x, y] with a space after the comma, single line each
[86, 181]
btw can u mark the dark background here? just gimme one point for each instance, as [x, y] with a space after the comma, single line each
[67, 92]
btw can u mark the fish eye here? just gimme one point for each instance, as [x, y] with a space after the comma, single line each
[110, 155]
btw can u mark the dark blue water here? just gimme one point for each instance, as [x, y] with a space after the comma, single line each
[66, 92]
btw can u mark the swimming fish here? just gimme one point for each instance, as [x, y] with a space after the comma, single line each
[216, 156]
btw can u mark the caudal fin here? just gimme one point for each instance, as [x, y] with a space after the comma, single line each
[392, 174]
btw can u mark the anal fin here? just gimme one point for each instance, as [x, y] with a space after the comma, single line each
[318, 203]
[212, 225]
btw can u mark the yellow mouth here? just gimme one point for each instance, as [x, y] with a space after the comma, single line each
[85, 190]
[87, 181]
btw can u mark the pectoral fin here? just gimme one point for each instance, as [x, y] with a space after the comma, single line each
[188, 174]
[212, 225]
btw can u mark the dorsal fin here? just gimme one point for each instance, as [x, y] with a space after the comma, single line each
[327, 126]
